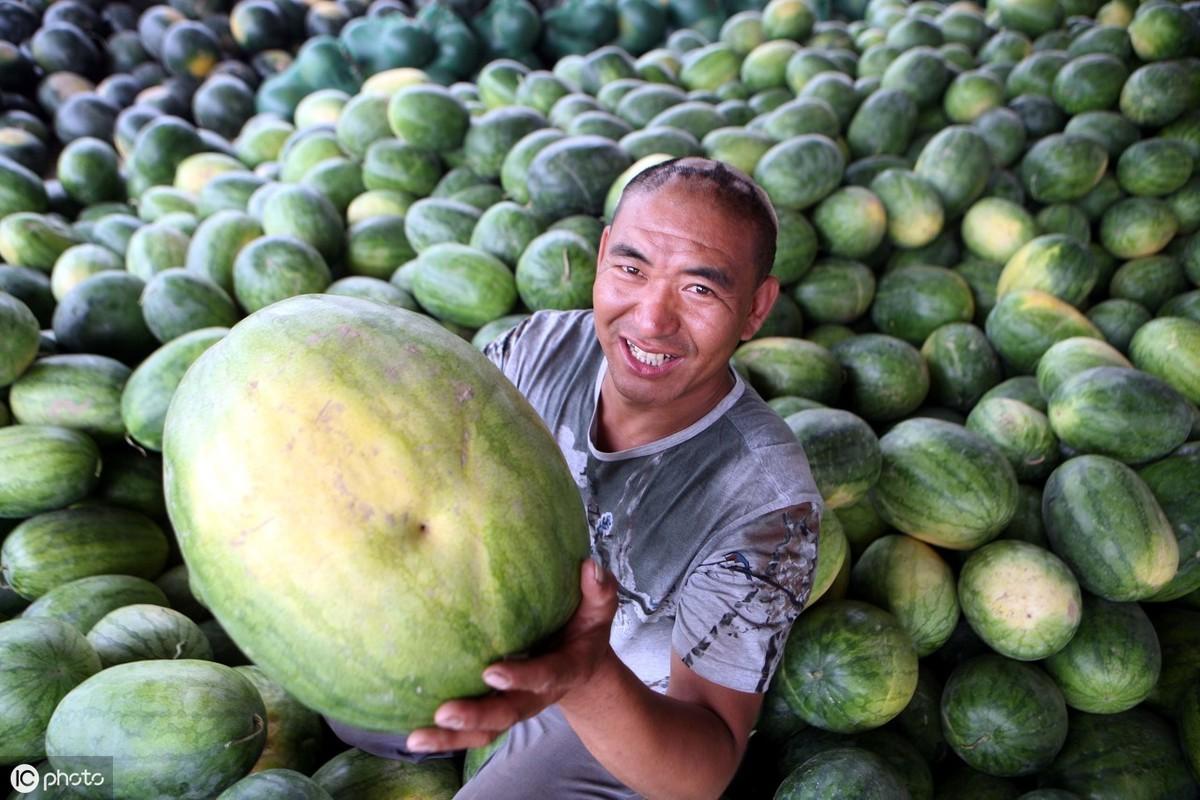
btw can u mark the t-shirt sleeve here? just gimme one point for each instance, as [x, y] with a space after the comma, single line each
[738, 604]
[500, 350]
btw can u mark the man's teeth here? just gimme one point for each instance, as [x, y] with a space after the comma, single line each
[649, 359]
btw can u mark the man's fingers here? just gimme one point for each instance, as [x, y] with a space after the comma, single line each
[550, 674]
[599, 602]
[494, 713]
[433, 740]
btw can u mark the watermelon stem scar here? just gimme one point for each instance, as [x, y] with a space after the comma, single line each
[259, 725]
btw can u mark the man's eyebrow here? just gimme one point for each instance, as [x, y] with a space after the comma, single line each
[718, 276]
[628, 251]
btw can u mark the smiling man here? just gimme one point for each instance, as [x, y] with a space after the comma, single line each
[702, 510]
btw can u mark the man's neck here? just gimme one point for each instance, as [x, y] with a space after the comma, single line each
[621, 425]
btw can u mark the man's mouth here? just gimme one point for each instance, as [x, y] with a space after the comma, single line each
[648, 357]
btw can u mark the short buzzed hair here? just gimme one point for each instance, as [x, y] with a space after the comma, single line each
[729, 188]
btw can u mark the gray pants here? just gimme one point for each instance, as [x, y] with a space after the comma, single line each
[543, 759]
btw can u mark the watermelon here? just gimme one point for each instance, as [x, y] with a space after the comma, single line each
[1154, 167]
[1063, 167]
[141, 632]
[178, 301]
[1118, 320]
[848, 666]
[995, 229]
[208, 746]
[293, 731]
[556, 270]
[1157, 34]
[813, 156]
[355, 774]
[273, 268]
[44, 468]
[1133, 755]
[842, 451]
[957, 162]
[44, 659]
[944, 484]
[914, 208]
[1123, 413]
[34, 240]
[1022, 433]
[1176, 629]
[20, 338]
[833, 290]
[462, 285]
[778, 366]
[1021, 599]
[78, 263]
[886, 377]
[842, 773]
[417, 668]
[102, 315]
[1167, 348]
[428, 116]
[883, 124]
[373, 289]
[399, 166]
[81, 392]
[1137, 226]
[910, 580]
[1025, 323]
[149, 390]
[1112, 662]
[1090, 82]
[962, 365]
[1003, 717]
[1055, 264]
[83, 602]
[50, 549]
[1103, 520]
[22, 190]
[912, 302]
[1072, 356]
[275, 783]
[1172, 481]
[492, 135]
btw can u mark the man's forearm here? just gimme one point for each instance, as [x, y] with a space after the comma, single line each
[660, 747]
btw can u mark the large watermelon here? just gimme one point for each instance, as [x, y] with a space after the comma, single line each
[477, 503]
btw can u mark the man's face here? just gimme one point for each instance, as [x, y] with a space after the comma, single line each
[675, 293]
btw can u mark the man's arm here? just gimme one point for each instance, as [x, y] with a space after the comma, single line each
[686, 744]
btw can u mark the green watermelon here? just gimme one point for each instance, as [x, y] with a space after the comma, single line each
[177, 301]
[120, 713]
[944, 484]
[800, 171]
[1003, 717]
[1118, 320]
[505, 231]
[428, 116]
[886, 378]
[1022, 433]
[842, 773]
[273, 268]
[293, 731]
[275, 783]
[1021, 599]
[833, 290]
[1056, 264]
[1062, 167]
[142, 632]
[81, 392]
[842, 451]
[19, 340]
[415, 667]
[1072, 356]
[50, 549]
[914, 208]
[1123, 413]
[1133, 755]
[43, 468]
[44, 659]
[962, 365]
[1103, 520]
[150, 388]
[83, 602]
[34, 240]
[778, 365]
[847, 666]
[957, 161]
[912, 302]
[1168, 348]
[910, 580]
[102, 315]
[1137, 226]
[1112, 662]
[1172, 480]
[354, 774]
[556, 271]
[78, 263]
[1026, 322]
[460, 284]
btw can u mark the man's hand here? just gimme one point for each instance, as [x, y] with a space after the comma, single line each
[525, 687]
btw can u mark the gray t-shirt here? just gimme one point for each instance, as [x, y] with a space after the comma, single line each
[711, 533]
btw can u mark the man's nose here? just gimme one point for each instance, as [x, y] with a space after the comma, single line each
[658, 310]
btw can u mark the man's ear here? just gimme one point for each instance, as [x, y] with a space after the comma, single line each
[603, 244]
[764, 299]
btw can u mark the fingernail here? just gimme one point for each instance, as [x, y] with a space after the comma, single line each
[450, 721]
[497, 680]
[418, 743]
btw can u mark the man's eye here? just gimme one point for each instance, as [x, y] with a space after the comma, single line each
[628, 270]
[703, 291]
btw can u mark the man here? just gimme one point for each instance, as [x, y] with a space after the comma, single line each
[702, 510]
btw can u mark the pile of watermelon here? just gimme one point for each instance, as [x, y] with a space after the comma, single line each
[988, 343]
